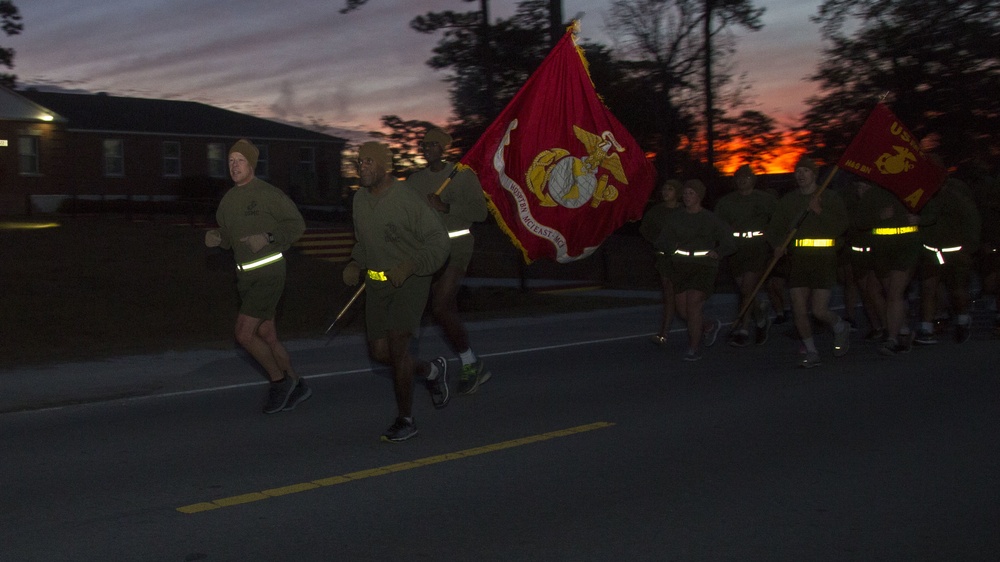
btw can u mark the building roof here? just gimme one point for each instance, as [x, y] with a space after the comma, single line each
[114, 114]
[14, 107]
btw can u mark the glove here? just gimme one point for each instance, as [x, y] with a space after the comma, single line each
[213, 238]
[400, 273]
[255, 241]
[352, 274]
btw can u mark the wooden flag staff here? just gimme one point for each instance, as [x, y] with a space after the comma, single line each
[788, 239]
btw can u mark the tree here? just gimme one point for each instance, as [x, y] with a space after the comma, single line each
[936, 61]
[719, 16]
[404, 139]
[10, 22]
[749, 138]
[670, 46]
[486, 69]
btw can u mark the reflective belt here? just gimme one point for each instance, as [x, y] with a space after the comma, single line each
[259, 263]
[861, 249]
[457, 233]
[686, 253]
[814, 243]
[377, 275]
[891, 231]
[939, 252]
[748, 234]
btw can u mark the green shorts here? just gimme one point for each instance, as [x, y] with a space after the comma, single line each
[955, 272]
[663, 264]
[694, 276]
[461, 252]
[899, 252]
[751, 256]
[861, 260]
[813, 268]
[260, 290]
[397, 309]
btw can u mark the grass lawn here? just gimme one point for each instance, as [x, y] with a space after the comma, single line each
[97, 287]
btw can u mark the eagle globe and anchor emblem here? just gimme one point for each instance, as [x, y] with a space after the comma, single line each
[558, 178]
[897, 163]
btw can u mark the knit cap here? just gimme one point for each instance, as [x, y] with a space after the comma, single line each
[806, 162]
[378, 152]
[697, 186]
[439, 136]
[248, 150]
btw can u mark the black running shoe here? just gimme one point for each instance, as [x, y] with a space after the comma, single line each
[278, 394]
[301, 393]
[401, 430]
[438, 386]
[472, 377]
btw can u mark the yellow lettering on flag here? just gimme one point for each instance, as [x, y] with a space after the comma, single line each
[913, 199]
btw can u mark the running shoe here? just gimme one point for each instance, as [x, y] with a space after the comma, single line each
[438, 386]
[890, 347]
[925, 337]
[278, 394]
[811, 360]
[692, 356]
[739, 339]
[712, 333]
[401, 430]
[301, 393]
[472, 377]
[842, 341]
[763, 332]
[875, 335]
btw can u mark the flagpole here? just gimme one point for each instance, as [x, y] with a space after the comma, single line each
[788, 239]
[346, 306]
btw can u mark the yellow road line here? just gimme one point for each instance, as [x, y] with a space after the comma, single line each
[384, 470]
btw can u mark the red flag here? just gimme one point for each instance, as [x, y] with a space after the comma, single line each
[887, 154]
[559, 171]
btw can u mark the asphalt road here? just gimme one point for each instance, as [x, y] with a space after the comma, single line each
[589, 443]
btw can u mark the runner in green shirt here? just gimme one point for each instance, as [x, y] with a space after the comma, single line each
[459, 201]
[400, 244]
[812, 256]
[747, 211]
[258, 222]
[651, 226]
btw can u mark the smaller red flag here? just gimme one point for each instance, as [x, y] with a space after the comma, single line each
[887, 154]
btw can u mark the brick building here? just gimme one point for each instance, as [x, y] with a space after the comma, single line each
[56, 147]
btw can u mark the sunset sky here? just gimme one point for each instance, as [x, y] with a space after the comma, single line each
[301, 60]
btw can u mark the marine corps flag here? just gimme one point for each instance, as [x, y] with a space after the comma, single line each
[559, 171]
[887, 154]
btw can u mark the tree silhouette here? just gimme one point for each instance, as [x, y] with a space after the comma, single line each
[936, 61]
[10, 22]
[669, 47]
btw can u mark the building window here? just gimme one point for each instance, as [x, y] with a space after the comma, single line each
[171, 159]
[307, 159]
[114, 157]
[27, 151]
[217, 160]
[263, 164]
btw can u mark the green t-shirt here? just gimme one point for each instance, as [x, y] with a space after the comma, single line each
[258, 208]
[398, 226]
[463, 195]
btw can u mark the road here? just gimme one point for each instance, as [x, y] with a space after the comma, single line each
[589, 443]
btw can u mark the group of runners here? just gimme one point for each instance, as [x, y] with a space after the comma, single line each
[413, 246]
[810, 240]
